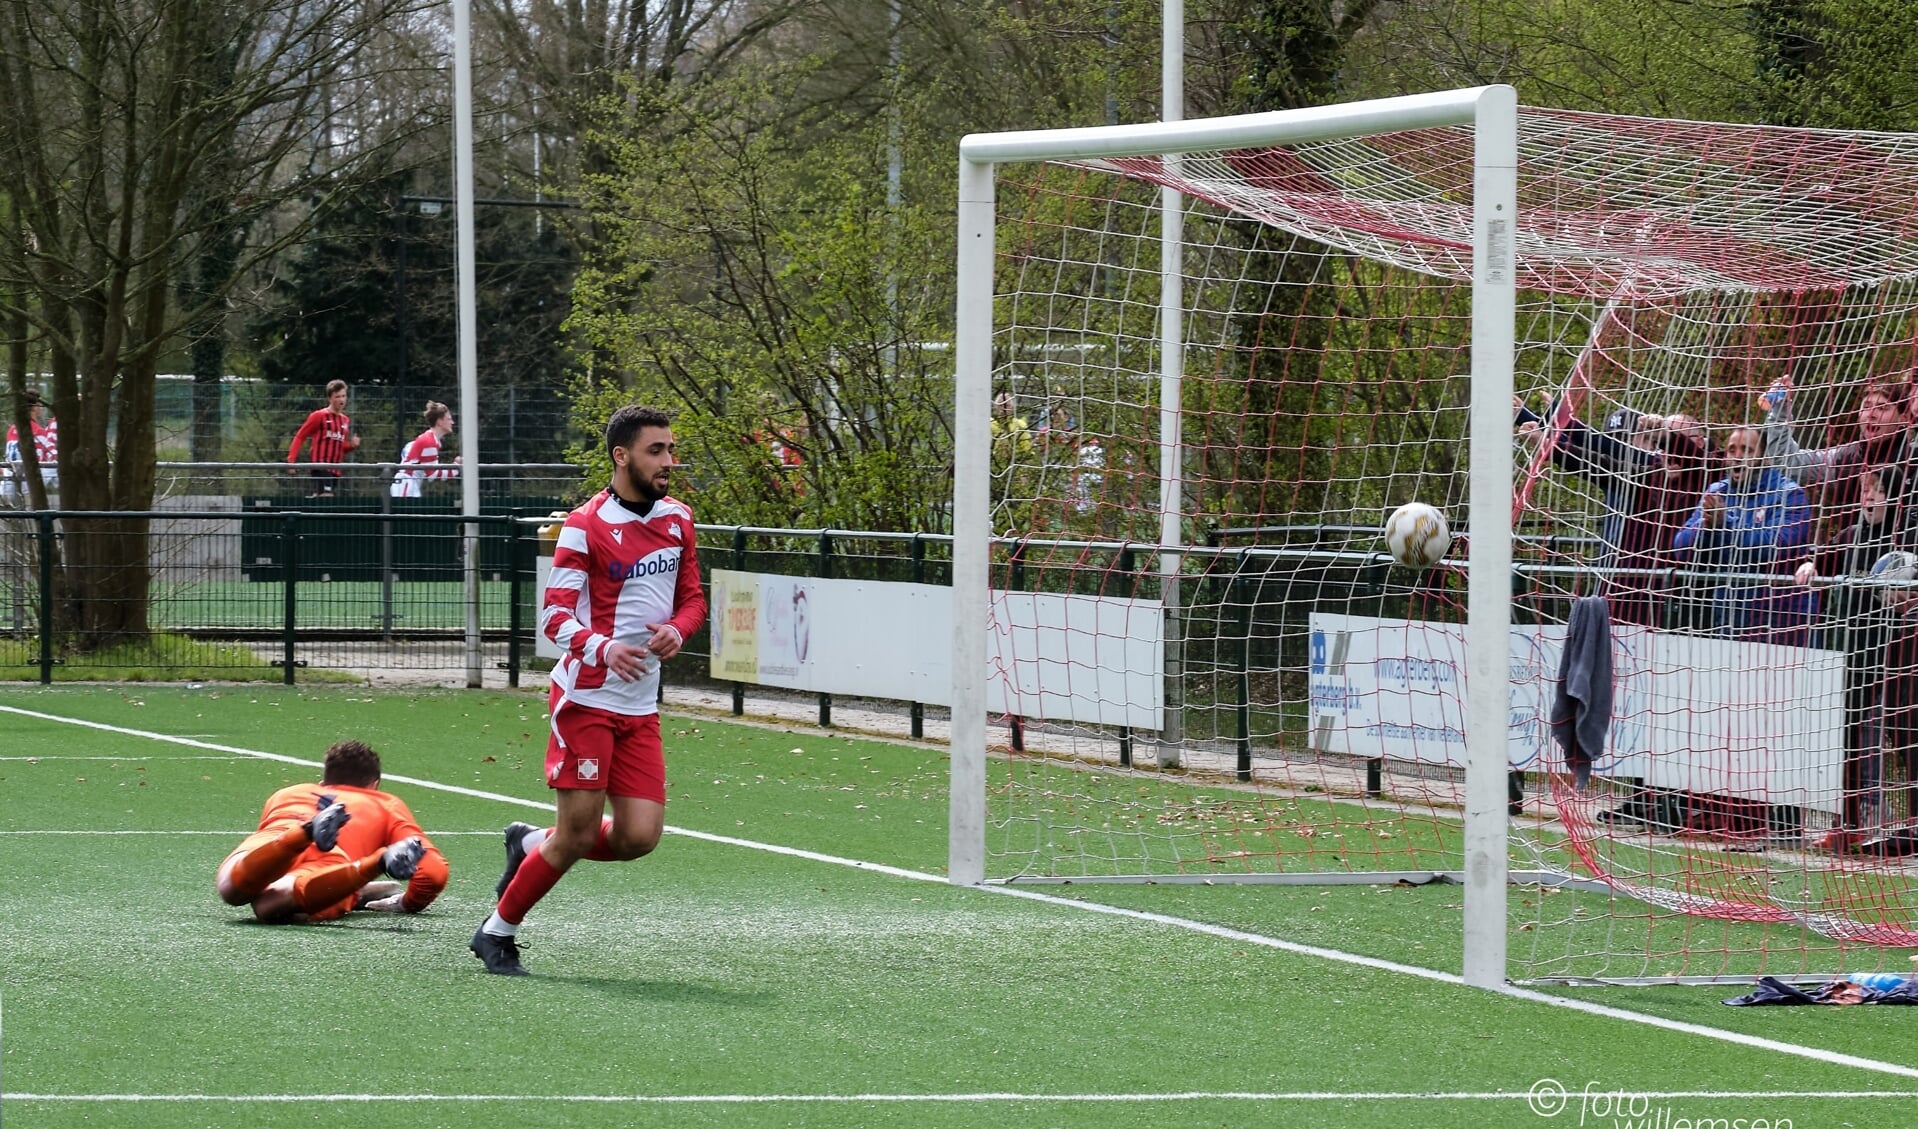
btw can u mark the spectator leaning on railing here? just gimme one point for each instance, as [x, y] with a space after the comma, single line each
[1652, 470]
[1867, 618]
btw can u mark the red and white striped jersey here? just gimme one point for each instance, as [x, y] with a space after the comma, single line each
[614, 572]
[46, 443]
[420, 454]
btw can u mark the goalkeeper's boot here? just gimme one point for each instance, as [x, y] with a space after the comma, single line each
[324, 827]
[403, 858]
[499, 954]
[516, 833]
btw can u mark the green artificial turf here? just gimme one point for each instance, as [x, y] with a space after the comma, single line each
[715, 970]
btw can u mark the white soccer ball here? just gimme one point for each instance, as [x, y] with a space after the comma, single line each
[1895, 565]
[1417, 535]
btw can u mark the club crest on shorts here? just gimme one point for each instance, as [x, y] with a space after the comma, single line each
[587, 768]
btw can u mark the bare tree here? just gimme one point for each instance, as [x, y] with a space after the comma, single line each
[137, 135]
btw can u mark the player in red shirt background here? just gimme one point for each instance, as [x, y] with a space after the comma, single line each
[321, 847]
[331, 432]
[424, 452]
[622, 597]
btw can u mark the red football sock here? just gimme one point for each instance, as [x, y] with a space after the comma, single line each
[530, 883]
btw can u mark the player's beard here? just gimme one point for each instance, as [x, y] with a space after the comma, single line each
[643, 489]
[648, 489]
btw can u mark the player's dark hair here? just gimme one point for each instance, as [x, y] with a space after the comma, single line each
[333, 386]
[31, 398]
[352, 763]
[627, 423]
[435, 412]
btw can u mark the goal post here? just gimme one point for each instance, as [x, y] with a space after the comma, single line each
[1491, 113]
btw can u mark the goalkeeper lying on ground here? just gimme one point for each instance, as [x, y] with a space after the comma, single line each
[321, 848]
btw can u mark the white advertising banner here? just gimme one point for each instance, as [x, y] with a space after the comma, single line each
[1060, 657]
[1697, 714]
[866, 638]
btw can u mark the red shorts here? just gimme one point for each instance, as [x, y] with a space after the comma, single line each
[599, 750]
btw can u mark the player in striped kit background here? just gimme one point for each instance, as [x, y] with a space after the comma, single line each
[622, 597]
[331, 431]
[424, 453]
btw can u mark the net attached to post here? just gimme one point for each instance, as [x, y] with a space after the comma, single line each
[1288, 705]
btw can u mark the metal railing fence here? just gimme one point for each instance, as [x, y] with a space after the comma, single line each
[270, 592]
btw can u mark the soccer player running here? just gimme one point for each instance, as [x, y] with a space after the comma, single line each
[331, 431]
[420, 459]
[622, 597]
[321, 848]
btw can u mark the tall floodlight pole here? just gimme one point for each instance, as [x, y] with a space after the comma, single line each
[468, 324]
[1171, 382]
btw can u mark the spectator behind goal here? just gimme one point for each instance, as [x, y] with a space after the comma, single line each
[1867, 619]
[1755, 520]
[1652, 470]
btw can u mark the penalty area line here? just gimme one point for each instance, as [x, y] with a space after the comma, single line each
[1816, 1054]
[984, 1097]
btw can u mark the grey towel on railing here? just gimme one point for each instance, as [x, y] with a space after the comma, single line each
[1582, 705]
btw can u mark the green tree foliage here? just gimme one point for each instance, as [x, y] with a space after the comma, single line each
[356, 306]
[1847, 64]
[754, 281]
[118, 122]
[1285, 54]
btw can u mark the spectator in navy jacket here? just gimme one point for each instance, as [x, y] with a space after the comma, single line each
[1752, 522]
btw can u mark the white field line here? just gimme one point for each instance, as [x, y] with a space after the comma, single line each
[1815, 1054]
[990, 1096]
[65, 757]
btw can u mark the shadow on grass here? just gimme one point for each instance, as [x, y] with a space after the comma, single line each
[362, 922]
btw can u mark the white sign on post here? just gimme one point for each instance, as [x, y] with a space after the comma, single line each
[1049, 656]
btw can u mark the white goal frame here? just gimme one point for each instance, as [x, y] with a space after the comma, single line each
[1492, 111]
